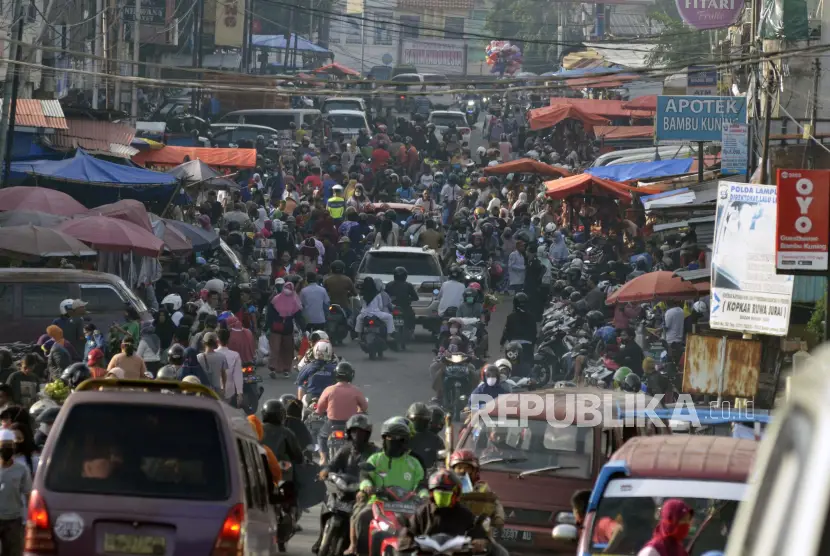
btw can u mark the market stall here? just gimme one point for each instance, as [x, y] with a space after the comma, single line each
[169, 157]
[40, 199]
[527, 166]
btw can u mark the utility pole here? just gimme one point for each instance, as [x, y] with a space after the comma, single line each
[119, 48]
[811, 160]
[136, 43]
[767, 117]
[288, 40]
[99, 32]
[246, 38]
[15, 89]
[195, 57]
[7, 90]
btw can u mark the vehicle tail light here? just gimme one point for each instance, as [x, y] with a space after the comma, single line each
[338, 435]
[248, 370]
[332, 310]
[39, 538]
[229, 542]
[371, 323]
[402, 97]
[396, 312]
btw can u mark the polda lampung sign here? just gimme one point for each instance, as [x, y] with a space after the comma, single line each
[683, 119]
[710, 14]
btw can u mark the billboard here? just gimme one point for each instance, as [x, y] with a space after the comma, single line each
[439, 56]
[803, 229]
[702, 80]
[747, 295]
[230, 22]
[709, 14]
[682, 119]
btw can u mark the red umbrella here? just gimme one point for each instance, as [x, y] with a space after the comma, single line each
[110, 234]
[337, 69]
[125, 209]
[653, 286]
[527, 166]
[39, 199]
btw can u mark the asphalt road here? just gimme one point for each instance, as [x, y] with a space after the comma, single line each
[391, 384]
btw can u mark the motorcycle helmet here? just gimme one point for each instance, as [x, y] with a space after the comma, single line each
[574, 297]
[175, 354]
[632, 383]
[504, 365]
[344, 372]
[75, 374]
[338, 267]
[48, 416]
[470, 295]
[513, 351]
[567, 291]
[322, 351]
[166, 373]
[293, 406]
[520, 301]
[396, 428]
[475, 286]
[445, 488]
[595, 318]
[173, 300]
[400, 273]
[550, 228]
[359, 421]
[480, 151]
[391, 215]
[456, 273]
[467, 458]
[273, 412]
[436, 421]
[621, 374]
[317, 335]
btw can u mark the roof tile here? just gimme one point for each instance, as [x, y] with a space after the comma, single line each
[96, 137]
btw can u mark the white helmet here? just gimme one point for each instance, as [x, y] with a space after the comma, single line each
[215, 285]
[699, 307]
[191, 379]
[493, 163]
[550, 228]
[173, 299]
[318, 335]
[323, 351]
[480, 151]
[504, 363]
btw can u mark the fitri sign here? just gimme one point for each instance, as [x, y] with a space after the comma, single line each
[683, 119]
[709, 14]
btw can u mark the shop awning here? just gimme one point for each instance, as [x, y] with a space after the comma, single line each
[527, 166]
[607, 108]
[83, 168]
[645, 102]
[586, 183]
[549, 116]
[278, 41]
[173, 156]
[643, 170]
[617, 132]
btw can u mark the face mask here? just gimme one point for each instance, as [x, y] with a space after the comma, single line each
[471, 300]
[453, 330]
[7, 453]
[491, 381]
[394, 448]
[443, 499]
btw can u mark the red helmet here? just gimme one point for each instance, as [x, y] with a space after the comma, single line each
[464, 456]
[475, 286]
[496, 272]
[444, 479]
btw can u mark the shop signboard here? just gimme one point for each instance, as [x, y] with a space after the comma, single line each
[803, 230]
[747, 295]
[684, 118]
[434, 56]
[702, 81]
[709, 14]
[734, 148]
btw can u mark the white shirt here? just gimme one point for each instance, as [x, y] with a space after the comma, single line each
[451, 295]
[451, 193]
[320, 249]
[233, 381]
[674, 319]
[177, 317]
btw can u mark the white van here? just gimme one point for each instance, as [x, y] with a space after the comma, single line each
[276, 118]
[414, 83]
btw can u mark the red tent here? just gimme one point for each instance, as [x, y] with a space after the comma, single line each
[527, 166]
[581, 183]
[334, 67]
[600, 107]
[647, 102]
[173, 156]
[653, 286]
[549, 116]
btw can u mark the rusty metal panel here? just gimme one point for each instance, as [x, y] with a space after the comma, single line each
[700, 373]
[743, 365]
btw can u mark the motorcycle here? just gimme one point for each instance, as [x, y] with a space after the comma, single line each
[477, 272]
[338, 510]
[251, 391]
[373, 337]
[400, 328]
[442, 545]
[337, 326]
[456, 383]
[471, 112]
[337, 439]
[286, 509]
[390, 509]
[311, 419]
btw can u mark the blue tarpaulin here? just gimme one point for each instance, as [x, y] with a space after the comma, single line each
[643, 170]
[278, 41]
[88, 169]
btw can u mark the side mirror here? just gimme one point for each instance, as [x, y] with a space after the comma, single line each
[565, 533]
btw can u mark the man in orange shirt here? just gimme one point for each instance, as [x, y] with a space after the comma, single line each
[338, 403]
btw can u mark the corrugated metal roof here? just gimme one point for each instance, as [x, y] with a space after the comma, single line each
[52, 108]
[97, 137]
[39, 113]
[808, 289]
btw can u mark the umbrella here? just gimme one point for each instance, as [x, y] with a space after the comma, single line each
[337, 69]
[202, 240]
[110, 234]
[37, 241]
[653, 286]
[196, 171]
[174, 241]
[236, 216]
[21, 217]
[125, 209]
[39, 199]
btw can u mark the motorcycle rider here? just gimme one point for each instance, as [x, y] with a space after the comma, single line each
[436, 421]
[520, 325]
[282, 442]
[373, 304]
[319, 373]
[393, 467]
[294, 420]
[338, 403]
[424, 444]
[477, 253]
[348, 459]
[473, 309]
[491, 388]
[175, 360]
[444, 514]
[465, 462]
[403, 294]
[308, 356]
[451, 293]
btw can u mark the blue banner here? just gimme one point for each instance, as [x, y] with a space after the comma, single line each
[691, 118]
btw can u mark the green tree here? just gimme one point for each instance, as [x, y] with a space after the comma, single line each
[679, 45]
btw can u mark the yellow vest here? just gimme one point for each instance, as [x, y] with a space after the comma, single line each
[336, 207]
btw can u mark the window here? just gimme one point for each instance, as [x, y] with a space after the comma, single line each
[383, 29]
[453, 27]
[353, 29]
[417, 264]
[410, 26]
[7, 300]
[446, 119]
[350, 121]
[43, 300]
[102, 299]
[261, 483]
[336, 104]
[252, 469]
[248, 134]
[246, 475]
[131, 449]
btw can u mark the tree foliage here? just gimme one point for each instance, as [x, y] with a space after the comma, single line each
[528, 20]
[678, 45]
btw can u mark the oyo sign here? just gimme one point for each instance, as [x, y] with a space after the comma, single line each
[710, 14]
[803, 227]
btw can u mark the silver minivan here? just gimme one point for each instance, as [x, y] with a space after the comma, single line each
[276, 118]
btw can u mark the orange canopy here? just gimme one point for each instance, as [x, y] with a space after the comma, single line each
[607, 108]
[647, 102]
[527, 166]
[173, 156]
[581, 183]
[653, 286]
[549, 116]
[337, 68]
[611, 132]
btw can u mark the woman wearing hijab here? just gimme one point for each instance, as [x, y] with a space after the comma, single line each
[559, 252]
[165, 329]
[192, 367]
[55, 332]
[373, 304]
[385, 236]
[149, 348]
[522, 200]
[261, 217]
[671, 531]
[285, 308]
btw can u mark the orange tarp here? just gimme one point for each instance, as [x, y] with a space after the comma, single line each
[337, 68]
[647, 102]
[173, 156]
[549, 116]
[610, 132]
[607, 108]
[527, 166]
[581, 183]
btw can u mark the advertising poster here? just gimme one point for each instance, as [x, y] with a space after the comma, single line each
[702, 80]
[803, 230]
[230, 21]
[734, 148]
[709, 14]
[683, 118]
[747, 295]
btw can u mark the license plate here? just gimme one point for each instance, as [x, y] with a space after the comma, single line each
[398, 322]
[134, 544]
[514, 535]
[455, 370]
[402, 507]
[345, 507]
[251, 379]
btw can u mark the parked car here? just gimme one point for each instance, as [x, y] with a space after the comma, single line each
[227, 135]
[275, 118]
[343, 103]
[709, 473]
[348, 122]
[441, 119]
[30, 299]
[434, 84]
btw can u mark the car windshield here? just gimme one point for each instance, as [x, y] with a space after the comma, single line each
[538, 446]
[447, 119]
[624, 523]
[351, 121]
[416, 264]
[342, 105]
[137, 450]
